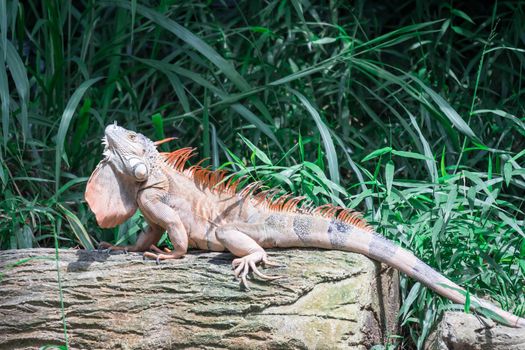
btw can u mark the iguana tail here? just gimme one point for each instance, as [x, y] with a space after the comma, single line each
[336, 234]
[383, 250]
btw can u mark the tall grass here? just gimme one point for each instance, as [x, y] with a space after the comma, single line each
[411, 112]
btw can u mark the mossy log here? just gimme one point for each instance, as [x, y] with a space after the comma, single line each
[328, 299]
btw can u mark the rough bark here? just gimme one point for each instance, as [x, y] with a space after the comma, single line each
[327, 300]
[460, 331]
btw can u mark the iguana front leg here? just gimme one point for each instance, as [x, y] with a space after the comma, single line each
[250, 253]
[167, 218]
[145, 241]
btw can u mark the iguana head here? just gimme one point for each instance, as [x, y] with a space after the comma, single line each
[111, 191]
[130, 153]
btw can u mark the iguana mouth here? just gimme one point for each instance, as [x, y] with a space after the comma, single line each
[113, 136]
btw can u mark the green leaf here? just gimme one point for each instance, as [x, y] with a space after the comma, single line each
[414, 155]
[4, 97]
[507, 172]
[19, 75]
[466, 307]
[377, 153]
[519, 155]
[462, 31]
[436, 232]
[179, 91]
[253, 119]
[492, 315]
[65, 120]
[78, 229]
[409, 300]
[522, 266]
[451, 199]
[199, 45]
[158, 126]
[189, 38]
[3, 29]
[263, 30]
[331, 156]
[389, 176]
[511, 222]
[462, 14]
[442, 163]
[297, 75]
[2, 172]
[430, 162]
[324, 41]
[447, 110]
[133, 11]
[239, 108]
[503, 114]
[257, 151]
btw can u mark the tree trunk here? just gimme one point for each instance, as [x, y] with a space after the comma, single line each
[328, 299]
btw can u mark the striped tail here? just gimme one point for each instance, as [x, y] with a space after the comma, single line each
[381, 249]
[296, 230]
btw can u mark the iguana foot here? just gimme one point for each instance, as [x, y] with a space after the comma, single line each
[158, 250]
[108, 248]
[243, 265]
[161, 256]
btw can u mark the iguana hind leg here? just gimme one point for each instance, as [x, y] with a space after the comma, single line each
[250, 254]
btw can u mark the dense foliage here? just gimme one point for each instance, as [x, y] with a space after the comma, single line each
[411, 112]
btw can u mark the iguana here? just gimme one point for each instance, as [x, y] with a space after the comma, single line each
[204, 209]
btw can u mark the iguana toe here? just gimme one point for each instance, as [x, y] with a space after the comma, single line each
[162, 256]
[242, 267]
[150, 256]
[105, 247]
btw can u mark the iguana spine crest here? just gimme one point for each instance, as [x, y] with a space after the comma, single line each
[220, 181]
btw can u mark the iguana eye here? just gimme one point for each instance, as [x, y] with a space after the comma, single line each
[132, 137]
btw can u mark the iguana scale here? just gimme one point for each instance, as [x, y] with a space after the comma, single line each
[199, 208]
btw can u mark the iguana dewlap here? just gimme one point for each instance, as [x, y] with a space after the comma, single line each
[199, 209]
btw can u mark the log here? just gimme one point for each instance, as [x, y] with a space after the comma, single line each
[461, 331]
[328, 299]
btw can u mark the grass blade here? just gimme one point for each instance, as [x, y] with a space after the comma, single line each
[331, 156]
[19, 75]
[4, 97]
[3, 29]
[65, 120]
[78, 229]
[189, 38]
[447, 110]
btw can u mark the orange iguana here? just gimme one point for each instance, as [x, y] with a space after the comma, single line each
[199, 208]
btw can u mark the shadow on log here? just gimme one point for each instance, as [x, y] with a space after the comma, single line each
[328, 300]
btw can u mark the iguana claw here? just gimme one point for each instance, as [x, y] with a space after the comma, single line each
[105, 247]
[159, 257]
[242, 267]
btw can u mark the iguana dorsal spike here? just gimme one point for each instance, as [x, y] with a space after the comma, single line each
[215, 180]
[160, 142]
